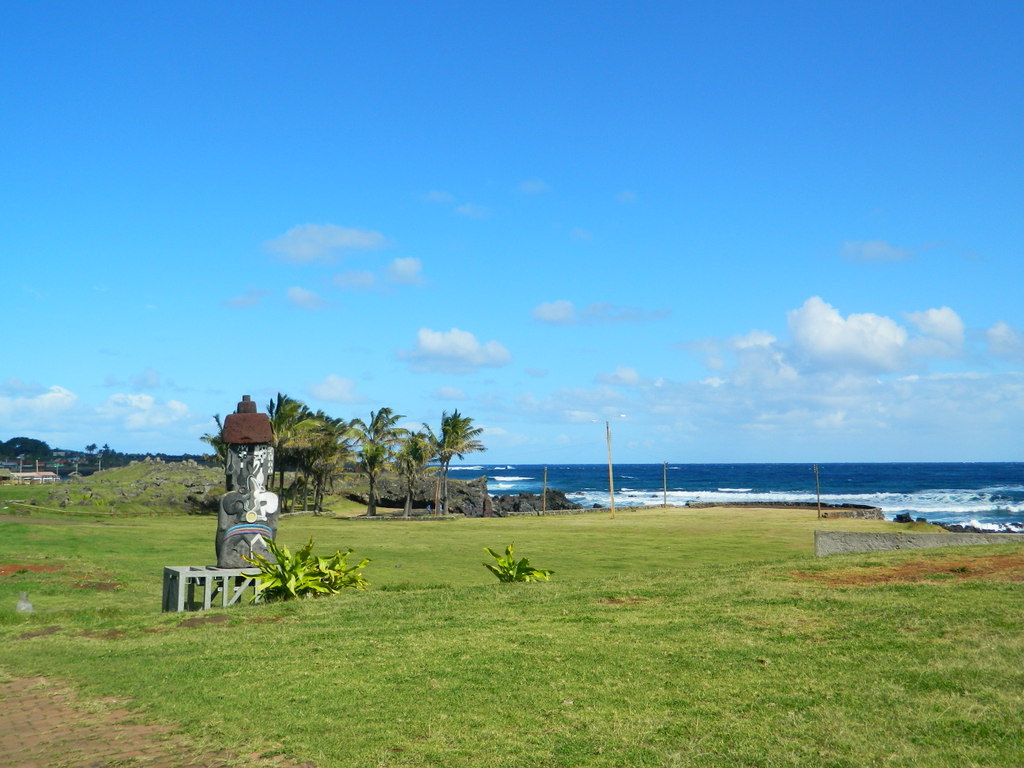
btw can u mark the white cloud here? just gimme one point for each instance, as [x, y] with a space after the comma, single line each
[355, 280]
[31, 408]
[866, 342]
[873, 250]
[142, 412]
[449, 393]
[533, 187]
[622, 376]
[407, 271]
[943, 324]
[335, 389]
[942, 333]
[12, 385]
[473, 211]
[300, 297]
[148, 379]
[559, 312]
[316, 242]
[454, 351]
[563, 312]
[1005, 341]
[251, 298]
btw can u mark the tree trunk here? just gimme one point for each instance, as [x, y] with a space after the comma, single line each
[371, 501]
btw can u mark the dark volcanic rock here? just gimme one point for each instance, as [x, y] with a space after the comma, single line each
[532, 503]
[465, 497]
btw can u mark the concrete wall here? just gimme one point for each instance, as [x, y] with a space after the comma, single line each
[845, 542]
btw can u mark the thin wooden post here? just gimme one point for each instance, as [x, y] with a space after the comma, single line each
[611, 481]
[664, 484]
[817, 488]
[544, 496]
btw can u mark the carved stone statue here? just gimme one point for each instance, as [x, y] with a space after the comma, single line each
[248, 511]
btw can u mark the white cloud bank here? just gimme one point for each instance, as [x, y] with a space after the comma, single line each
[453, 351]
[26, 407]
[869, 343]
[142, 412]
[834, 387]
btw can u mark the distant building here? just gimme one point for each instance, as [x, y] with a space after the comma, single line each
[34, 478]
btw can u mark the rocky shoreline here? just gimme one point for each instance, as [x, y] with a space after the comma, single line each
[905, 517]
[831, 511]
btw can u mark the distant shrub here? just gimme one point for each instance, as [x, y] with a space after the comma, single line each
[508, 569]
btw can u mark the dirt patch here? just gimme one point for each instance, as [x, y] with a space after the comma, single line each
[42, 722]
[38, 633]
[990, 568]
[198, 621]
[8, 569]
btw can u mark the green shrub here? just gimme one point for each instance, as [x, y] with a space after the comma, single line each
[509, 569]
[305, 575]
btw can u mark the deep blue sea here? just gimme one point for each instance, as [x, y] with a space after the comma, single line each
[990, 495]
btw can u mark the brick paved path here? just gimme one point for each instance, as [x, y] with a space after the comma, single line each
[44, 725]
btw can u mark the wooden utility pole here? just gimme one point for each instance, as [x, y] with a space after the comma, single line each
[544, 496]
[664, 484]
[611, 481]
[817, 488]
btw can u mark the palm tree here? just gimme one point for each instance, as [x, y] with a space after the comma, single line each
[288, 417]
[215, 441]
[322, 445]
[411, 461]
[377, 441]
[458, 437]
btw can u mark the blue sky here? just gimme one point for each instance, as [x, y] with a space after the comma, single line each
[749, 231]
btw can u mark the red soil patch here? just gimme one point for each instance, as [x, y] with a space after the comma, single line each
[198, 621]
[8, 569]
[43, 723]
[38, 633]
[989, 568]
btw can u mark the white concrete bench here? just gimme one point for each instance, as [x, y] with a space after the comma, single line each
[184, 583]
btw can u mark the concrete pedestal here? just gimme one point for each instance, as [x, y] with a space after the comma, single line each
[195, 588]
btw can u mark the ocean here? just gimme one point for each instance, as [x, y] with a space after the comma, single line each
[987, 495]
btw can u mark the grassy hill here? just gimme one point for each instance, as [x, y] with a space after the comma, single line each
[145, 487]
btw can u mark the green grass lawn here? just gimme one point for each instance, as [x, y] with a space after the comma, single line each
[665, 638]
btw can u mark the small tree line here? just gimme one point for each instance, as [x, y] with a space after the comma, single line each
[318, 448]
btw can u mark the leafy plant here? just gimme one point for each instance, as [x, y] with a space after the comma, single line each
[304, 574]
[509, 569]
